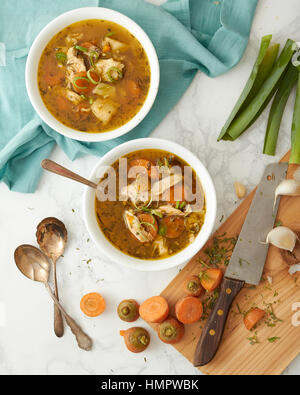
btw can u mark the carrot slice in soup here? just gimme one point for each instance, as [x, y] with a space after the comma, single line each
[253, 317]
[92, 304]
[154, 309]
[146, 164]
[133, 88]
[173, 226]
[189, 310]
[149, 223]
[211, 279]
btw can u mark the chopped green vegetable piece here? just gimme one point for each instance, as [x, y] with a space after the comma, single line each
[61, 57]
[177, 204]
[110, 34]
[244, 119]
[273, 339]
[162, 230]
[285, 87]
[261, 69]
[295, 152]
[82, 49]
[116, 70]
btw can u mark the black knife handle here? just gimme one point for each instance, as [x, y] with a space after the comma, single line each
[212, 332]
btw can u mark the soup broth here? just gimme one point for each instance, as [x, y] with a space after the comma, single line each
[162, 223]
[94, 76]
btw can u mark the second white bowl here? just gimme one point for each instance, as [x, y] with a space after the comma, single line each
[139, 264]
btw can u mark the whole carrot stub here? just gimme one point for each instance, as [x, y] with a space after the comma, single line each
[92, 304]
[211, 279]
[128, 310]
[170, 331]
[253, 317]
[192, 286]
[154, 309]
[136, 339]
[189, 310]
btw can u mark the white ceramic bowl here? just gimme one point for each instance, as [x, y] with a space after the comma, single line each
[55, 27]
[139, 264]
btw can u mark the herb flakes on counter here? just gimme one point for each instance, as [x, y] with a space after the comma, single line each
[220, 251]
[273, 339]
[254, 339]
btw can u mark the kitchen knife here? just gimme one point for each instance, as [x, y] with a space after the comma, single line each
[247, 260]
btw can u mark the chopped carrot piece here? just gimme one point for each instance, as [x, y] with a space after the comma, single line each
[189, 310]
[133, 88]
[148, 165]
[170, 331]
[154, 309]
[136, 339]
[128, 310]
[253, 317]
[211, 279]
[92, 304]
[106, 48]
[173, 226]
[149, 223]
[192, 286]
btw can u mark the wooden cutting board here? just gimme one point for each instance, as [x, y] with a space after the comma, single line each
[236, 355]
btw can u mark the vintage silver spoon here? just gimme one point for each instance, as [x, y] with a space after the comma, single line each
[34, 264]
[54, 167]
[52, 237]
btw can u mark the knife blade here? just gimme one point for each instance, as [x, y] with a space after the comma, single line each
[247, 261]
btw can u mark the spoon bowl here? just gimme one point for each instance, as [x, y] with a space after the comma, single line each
[32, 263]
[52, 237]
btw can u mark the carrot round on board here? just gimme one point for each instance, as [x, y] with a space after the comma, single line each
[211, 279]
[92, 304]
[136, 339]
[253, 317]
[189, 310]
[154, 309]
[170, 331]
[128, 310]
[192, 286]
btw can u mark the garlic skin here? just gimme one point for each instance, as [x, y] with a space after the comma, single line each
[294, 269]
[240, 190]
[290, 187]
[282, 237]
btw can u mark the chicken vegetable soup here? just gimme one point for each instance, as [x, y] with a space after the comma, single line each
[159, 209]
[94, 76]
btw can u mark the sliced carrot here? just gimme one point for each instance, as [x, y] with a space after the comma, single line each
[149, 223]
[192, 286]
[253, 317]
[62, 103]
[87, 45]
[170, 331]
[128, 310]
[173, 226]
[154, 309]
[81, 112]
[136, 339]
[133, 88]
[83, 85]
[211, 279]
[146, 164]
[189, 310]
[92, 304]
[106, 48]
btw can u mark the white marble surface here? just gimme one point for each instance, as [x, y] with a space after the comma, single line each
[27, 342]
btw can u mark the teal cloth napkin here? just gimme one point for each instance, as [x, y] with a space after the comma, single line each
[189, 35]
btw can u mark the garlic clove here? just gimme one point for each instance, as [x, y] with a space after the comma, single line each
[240, 190]
[290, 187]
[282, 237]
